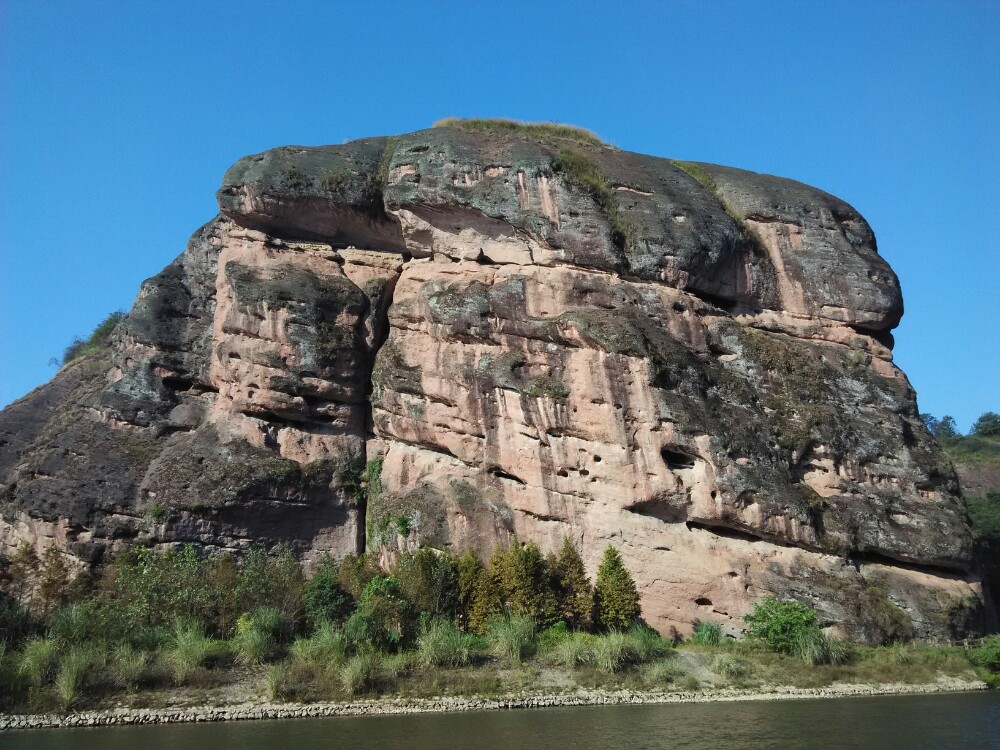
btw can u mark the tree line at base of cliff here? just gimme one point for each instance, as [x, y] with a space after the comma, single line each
[429, 622]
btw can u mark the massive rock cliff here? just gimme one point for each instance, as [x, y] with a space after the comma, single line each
[457, 338]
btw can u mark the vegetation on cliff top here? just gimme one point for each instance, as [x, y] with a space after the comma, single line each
[541, 131]
[95, 341]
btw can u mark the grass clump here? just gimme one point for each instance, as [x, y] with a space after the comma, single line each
[128, 666]
[512, 638]
[362, 673]
[259, 635]
[442, 644]
[539, 131]
[96, 341]
[582, 173]
[327, 645]
[38, 660]
[707, 634]
[576, 650]
[189, 650]
[73, 668]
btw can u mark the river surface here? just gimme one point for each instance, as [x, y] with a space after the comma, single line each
[968, 720]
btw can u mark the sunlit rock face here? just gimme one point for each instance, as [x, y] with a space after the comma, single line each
[689, 362]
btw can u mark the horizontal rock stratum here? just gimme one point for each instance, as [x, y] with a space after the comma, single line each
[456, 339]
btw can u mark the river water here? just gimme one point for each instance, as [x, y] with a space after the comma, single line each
[969, 720]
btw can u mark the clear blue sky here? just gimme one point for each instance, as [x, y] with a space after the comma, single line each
[117, 121]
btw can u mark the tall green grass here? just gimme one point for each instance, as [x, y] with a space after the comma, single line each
[442, 644]
[512, 638]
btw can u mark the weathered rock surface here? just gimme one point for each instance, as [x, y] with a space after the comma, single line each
[690, 362]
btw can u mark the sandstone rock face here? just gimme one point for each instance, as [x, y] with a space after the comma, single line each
[689, 362]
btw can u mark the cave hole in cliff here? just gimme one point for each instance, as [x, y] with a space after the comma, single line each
[676, 459]
[702, 601]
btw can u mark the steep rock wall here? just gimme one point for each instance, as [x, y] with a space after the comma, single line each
[533, 339]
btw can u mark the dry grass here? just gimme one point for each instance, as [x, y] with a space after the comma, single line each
[540, 131]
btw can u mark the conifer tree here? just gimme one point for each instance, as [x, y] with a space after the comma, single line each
[524, 582]
[616, 601]
[573, 589]
[53, 579]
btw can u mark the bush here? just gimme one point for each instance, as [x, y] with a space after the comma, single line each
[442, 644]
[512, 638]
[781, 626]
[383, 618]
[38, 660]
[646, 644]
[322, 597]
[616, 601]
[987, 655]
[707, 634]
[661, 672]
[254, 645]
[16, 623]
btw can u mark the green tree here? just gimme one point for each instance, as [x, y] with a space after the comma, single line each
[470, 570]
[323, 599]
[616, 601]
[988, 425]
[383, 619]
[429, 581]
[947, 428]
[53, 579]
[574, 592]
[524, 582]
[23, 573]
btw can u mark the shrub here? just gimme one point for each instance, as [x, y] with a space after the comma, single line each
[781, 626]
[707, 634]
[442, 644]
[616, 601]
[276, 680]
[383, 617]
[662, 671]
[512, 638]
[16, 623]
[987, 655]
[646, 644]
[322, 597]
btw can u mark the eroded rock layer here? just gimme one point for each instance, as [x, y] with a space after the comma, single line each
[529, 339]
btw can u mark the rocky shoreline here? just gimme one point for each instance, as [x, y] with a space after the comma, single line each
[260, 711]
